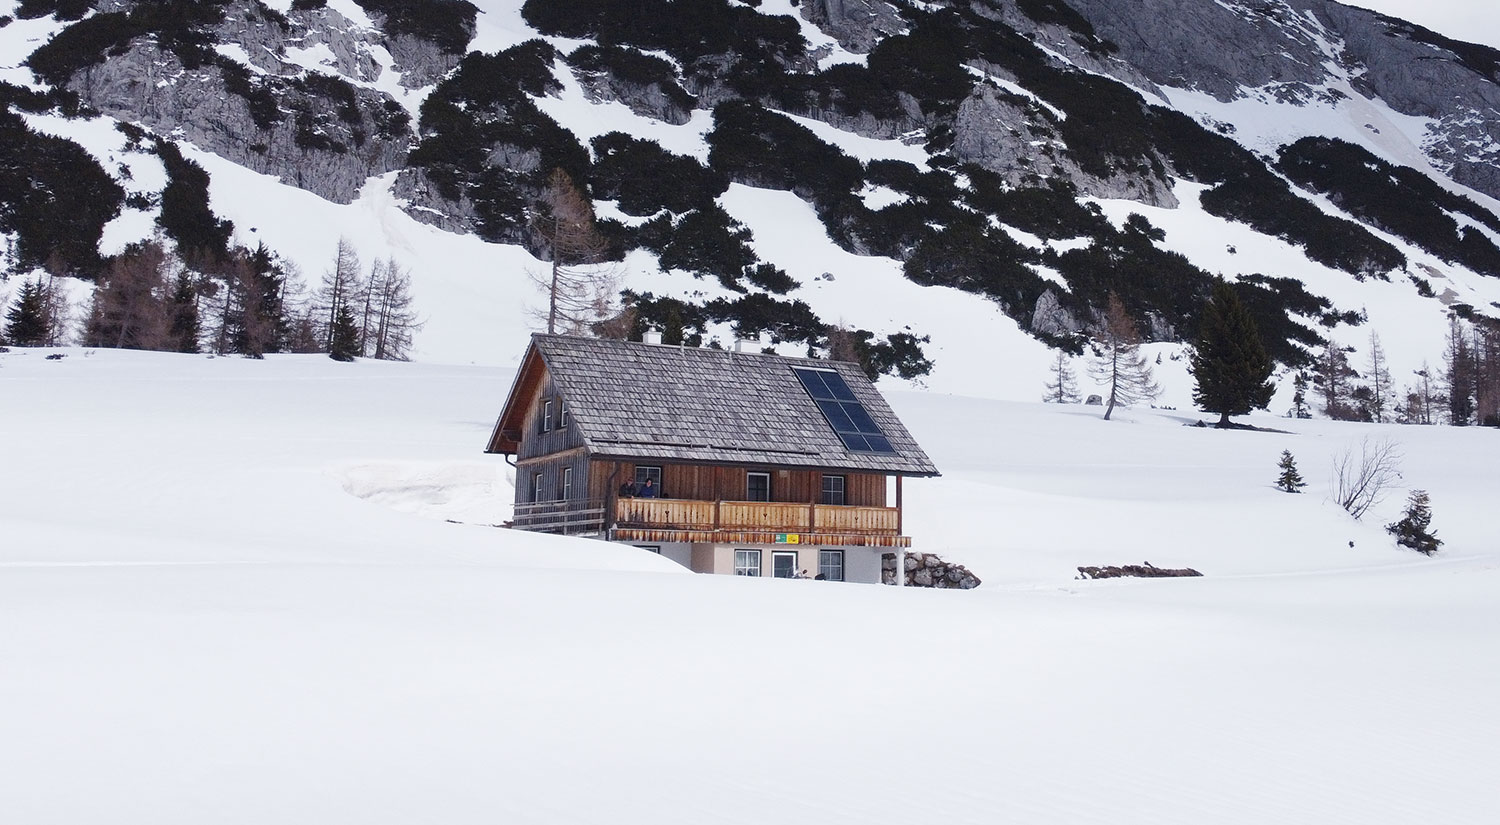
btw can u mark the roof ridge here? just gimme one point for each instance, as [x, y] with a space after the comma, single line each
[704, 350]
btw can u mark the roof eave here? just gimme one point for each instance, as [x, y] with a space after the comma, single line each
[498, 442]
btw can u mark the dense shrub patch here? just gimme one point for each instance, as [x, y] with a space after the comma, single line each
[484, 107]
[1273, 302]
[1059, 13]
[758, 147]
[1397, 199]
[756, 313]
[447, 23]
[970, 257]
[1050, 211]
[706, 242]
[63, 9]
[715, 41]
[1263, 201]
[185, 213]
[54, 197]
[646, 178]
[686, 29]
[633, 67]
[177, 24]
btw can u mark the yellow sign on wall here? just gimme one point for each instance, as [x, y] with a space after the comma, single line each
[788, 538]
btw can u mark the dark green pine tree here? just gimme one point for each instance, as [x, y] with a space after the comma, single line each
[1290, 480]
[184, 326]
[26, 323]
[1414, 528]
[1230, 362]
[345, 340]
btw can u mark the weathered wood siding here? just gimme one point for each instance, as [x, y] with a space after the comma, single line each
[551, 470]
[534, 442]
[706, 483]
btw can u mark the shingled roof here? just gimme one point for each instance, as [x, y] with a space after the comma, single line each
[635, 401]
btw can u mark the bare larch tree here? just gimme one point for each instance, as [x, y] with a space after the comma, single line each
[1119, 365]
[581, 284]
[1063, 386]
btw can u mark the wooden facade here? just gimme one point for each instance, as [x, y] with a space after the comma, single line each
[701, 503]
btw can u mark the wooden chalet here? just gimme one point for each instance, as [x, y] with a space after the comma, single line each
[761, 465]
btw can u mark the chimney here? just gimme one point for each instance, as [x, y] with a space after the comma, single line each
[651, 336]
[747, 344]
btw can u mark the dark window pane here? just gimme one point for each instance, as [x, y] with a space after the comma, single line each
[855, 441]
[812, 381]
[758, 487]
[862, 421]
[838, 387]
[837, 418]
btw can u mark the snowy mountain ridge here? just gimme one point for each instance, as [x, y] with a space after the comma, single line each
[981, 149]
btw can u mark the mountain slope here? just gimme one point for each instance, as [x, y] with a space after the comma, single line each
[995, 149]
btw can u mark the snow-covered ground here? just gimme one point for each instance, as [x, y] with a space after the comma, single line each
[240, 591]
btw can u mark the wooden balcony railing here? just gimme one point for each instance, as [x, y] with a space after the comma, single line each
[569, 517]
[755, 516]
[758, 522]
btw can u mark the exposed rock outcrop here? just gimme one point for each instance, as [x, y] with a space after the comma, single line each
[314, 132]
[422, 200]
[317, 143]
[1050, 318]
[1009, 135]
[1145, 571]
[653, 100]
[1294, 49]
[856, 24]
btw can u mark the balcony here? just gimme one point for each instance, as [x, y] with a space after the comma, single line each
[662, 520]
[573, 518]
[756, 522]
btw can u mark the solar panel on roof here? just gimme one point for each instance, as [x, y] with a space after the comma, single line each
[848, 418]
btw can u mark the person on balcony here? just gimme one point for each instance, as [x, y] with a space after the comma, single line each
[627, 490]
[648, 490]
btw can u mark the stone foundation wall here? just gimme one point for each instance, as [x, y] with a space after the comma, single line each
[928, 570]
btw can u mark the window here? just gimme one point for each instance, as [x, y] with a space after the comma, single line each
[747, 562]
[545, 418]
[536, 487]
[784, 564]
[567, 484]
[650, 548]
[562, 414]
[833, 489]
[848, 418]
[757, 486]
[643, 472]
[831, 565]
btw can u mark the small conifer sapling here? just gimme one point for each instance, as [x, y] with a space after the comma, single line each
[344, 345]
[1414, 528]
[1290, 480]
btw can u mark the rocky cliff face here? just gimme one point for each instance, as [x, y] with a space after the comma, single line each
[315, 131]
[318, 143]
[856, 24]
[1297, 47]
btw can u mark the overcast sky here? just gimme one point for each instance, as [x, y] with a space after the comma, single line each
[1475, 21]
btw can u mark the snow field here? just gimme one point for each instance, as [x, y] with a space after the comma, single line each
[203, 621]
